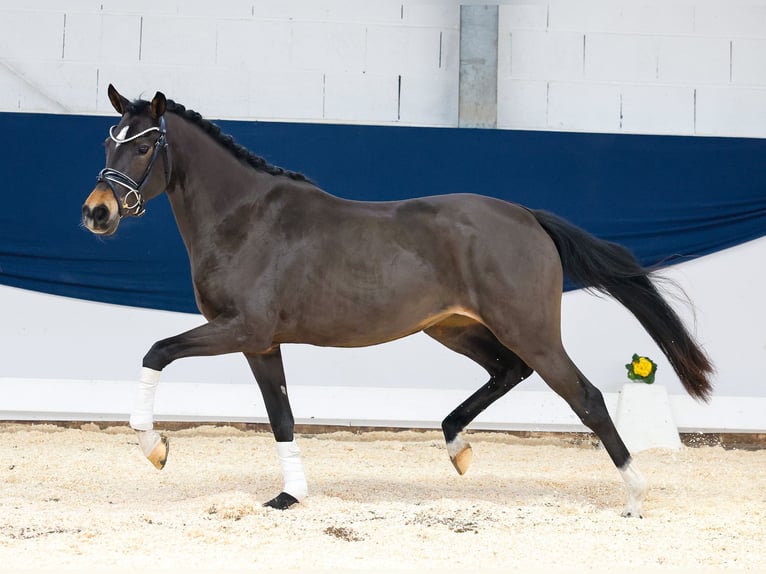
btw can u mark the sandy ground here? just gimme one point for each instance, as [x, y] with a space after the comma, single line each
[87, 499]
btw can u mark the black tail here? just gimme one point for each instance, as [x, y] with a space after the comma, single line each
[610, 268]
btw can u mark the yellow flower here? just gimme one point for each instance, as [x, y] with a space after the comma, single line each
[642, 367]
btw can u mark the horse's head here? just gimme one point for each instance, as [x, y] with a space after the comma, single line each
[130, 177]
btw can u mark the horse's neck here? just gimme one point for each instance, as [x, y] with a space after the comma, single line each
[207, 184]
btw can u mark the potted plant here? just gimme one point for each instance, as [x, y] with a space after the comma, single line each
[641, 369]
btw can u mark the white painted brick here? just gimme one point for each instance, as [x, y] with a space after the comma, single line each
[584, 107]
[139, 7]
[658, 109]
[749, 61]
[99, 38]
[731, 19]
[328, 10]
[217, 10]
[429, 99]
[731, 111]
[253, 44]
[83, 6]
[614, 57]
[328, 47]
[439, 15]
[31, 35]
[287, 94]
[450, 56]
[522, 16]
[522, 104]
[214, 92]
[403, 49]
[541, 55]
[186, 41]
[141, 81]
[53, 86]
[694, 60]
[359, 97]
[622, 16]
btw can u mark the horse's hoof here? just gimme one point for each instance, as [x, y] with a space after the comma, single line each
[462, 460]
[282, 501]
[159, 455]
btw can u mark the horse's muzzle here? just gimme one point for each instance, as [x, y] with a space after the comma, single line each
[100, 212]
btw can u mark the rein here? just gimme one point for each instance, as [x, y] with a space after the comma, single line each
[133, 201]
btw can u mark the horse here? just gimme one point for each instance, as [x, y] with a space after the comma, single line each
[276, 260]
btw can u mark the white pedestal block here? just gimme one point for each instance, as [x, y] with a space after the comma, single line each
[644, 419]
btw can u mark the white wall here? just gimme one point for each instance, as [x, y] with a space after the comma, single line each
[70, 359]
[658, 66]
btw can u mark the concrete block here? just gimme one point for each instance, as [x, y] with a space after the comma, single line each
[80, 6]
[522, 17]
[731, 111]
[403, 49]
[286, 94]
[140, 81]
[139, 7]
[217, 10]
[748, 61]
[328, 11]
[541, 55]
[253, 44]
[336, 47]
[55, 86]
[214, 91]
[102, 38]
[615, 57]
[622, 16]
[690, 60]
[360, 97]
[438, 15]
[522, 104]
[584, 107]
[658, 109]
[429, 99]
[732, 20]
[185, 41]
[31, 35]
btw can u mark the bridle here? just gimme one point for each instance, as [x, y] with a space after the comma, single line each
[133, 201]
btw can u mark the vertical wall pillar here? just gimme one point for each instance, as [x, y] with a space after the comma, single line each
[478, 66]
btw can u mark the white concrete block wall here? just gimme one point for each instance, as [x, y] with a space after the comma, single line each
[658, 66]
[340, 61]
[629, 66]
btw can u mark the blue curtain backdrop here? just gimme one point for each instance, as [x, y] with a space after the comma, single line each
[666, 198]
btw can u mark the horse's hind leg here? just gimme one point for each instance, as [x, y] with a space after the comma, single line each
[270, 375]
[558, 371]
[505, 369]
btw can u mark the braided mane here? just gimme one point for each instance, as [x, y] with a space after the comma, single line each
[240, 152]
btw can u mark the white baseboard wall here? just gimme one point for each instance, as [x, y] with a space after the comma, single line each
[93, 400]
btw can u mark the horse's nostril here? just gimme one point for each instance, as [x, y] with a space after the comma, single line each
[100, 215]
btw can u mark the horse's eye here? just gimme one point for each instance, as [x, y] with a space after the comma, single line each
[143, 148]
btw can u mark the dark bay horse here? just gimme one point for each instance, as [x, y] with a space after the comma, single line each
[274, 259]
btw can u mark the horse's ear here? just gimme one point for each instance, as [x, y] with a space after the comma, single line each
[118, 102]
[158, 105]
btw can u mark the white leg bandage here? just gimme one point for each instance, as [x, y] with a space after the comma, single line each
[292, 469]
[635, 484]
[142, 418]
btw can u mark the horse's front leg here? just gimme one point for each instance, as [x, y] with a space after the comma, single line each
[220, 336]
[270, 375]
